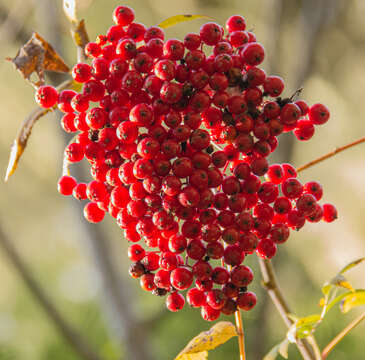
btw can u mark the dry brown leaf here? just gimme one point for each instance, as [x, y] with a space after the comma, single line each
[197, 349]
[21, 140]
[37, 56]
[23, 135]
[79, 34]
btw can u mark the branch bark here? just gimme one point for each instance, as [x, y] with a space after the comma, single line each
[270, 283]
[74, 339]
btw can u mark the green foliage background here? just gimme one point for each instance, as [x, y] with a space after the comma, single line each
[46, 231]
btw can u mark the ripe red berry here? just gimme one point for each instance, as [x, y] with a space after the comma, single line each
[195, 297]
[329, 212]
[210, 33]
[266, 249]
[93, 213]
[235, 22]
[123, 15]
[46, 96]
[210, 314]
[66, 184]
[246, 301]
[318, 114]
[181, 278]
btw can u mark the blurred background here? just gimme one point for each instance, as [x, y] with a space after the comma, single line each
[82, 269]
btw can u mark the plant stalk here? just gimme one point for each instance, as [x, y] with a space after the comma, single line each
[330, 154]
[341, 335]
[241, 334]
[308, 350]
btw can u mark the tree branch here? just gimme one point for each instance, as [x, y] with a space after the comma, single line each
[73, 338]
[270, 283]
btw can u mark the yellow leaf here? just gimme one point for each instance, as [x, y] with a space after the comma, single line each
[346, 285]
[173, 20]
[352, 300]
[207, 340]
[351, 265]
[196, 356]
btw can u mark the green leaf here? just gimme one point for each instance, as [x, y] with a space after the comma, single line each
[303, 327]
[352, 264]
[339, 280]
[352, 300]
[326, 288]
[279, 349]
[173, 20]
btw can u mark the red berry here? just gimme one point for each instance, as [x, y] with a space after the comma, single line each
[46, 96]
[210, 314]
[175, 301]
[210, 33]
[329, 212]
[123, 15]
[216, 299]
[66, 184]
[318, 114]
[246, 301]
[266, 249]
[93, 213]
[181, 278]
[235, 22]
[195, 297]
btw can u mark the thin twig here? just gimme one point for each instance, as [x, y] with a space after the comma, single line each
[330, 154]
[74, 339]
[341, 335]
[270, 283]
[241, 334]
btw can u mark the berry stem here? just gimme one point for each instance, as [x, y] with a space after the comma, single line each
[241, 334]
[341, 335]
[308, 350]
[330, 154]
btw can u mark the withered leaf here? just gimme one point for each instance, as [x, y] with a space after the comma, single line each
[79, 34]
[25, 130]
[198, 348]
[21, 140]
[37, 56]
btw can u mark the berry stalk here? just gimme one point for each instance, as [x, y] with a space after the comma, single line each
[241, 334]
[330, 154]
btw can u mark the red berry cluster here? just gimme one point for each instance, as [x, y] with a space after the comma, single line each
[150, 119]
